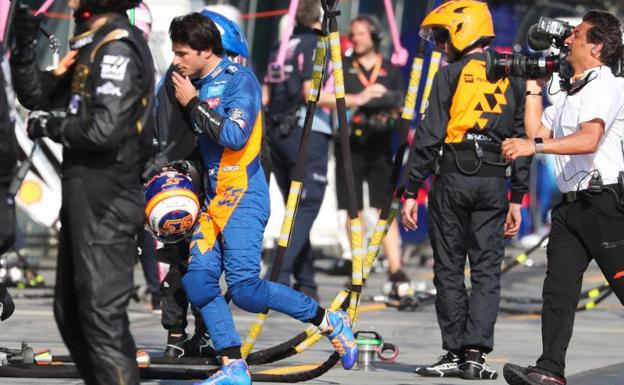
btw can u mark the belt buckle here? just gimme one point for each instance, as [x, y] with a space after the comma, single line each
[571, 196]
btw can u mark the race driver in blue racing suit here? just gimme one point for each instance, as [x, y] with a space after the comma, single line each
[175, 140]
[223, 101]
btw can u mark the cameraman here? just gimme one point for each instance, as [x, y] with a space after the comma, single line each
[106, 91]
[584, 130]
[466, 121]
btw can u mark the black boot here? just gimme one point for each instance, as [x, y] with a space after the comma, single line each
[175, 346]
[199, 346]
[447, 366]
[475, 368]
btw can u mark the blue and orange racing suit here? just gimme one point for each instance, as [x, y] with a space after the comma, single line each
[228, 235]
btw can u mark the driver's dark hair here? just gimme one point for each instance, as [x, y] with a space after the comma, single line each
[197, 31]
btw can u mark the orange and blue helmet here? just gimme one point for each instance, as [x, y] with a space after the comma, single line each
[171, 206]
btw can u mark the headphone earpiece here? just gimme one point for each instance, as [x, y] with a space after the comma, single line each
[375, 28]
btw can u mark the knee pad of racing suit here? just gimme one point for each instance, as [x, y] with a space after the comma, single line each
[201, 287]
[251, 295]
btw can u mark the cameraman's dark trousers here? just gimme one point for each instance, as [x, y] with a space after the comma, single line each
[584, 226]
[284, 142]
[94, 283]
[466, 217]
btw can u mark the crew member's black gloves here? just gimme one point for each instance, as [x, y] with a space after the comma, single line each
[181, 166]
[25, 26]
[7, 307]
[43, 123]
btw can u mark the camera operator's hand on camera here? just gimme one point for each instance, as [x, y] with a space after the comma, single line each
[371, 92]
[513, 220]
[409, 214]
[25, 26]
[184, 89]
[514, 148]
[43, 124]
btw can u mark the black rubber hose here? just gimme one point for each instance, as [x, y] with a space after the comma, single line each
[69, 371]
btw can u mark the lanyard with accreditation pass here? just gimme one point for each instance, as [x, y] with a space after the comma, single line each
[374, 73]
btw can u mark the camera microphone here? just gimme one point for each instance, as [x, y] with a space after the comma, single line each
[537, 40]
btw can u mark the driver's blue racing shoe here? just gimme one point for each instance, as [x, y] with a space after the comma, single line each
[232, 372]
[341, 337]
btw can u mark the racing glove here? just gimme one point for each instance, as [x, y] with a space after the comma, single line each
[44, 124]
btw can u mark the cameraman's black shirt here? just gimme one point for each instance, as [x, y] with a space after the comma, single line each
[388, 75]
[356, 79]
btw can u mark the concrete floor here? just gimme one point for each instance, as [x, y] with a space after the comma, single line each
[597, 341]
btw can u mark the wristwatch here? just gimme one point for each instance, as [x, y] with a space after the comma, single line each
[539, 145]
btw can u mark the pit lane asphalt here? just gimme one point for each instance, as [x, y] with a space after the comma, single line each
[594, 357]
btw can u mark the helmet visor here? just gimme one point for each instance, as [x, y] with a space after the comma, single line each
[435, 35]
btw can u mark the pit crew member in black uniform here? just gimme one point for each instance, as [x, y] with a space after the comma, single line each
[464, 125]
[105, 130]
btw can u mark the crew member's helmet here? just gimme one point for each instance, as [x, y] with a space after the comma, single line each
[232, 38]
[464, 22]
[171, 206]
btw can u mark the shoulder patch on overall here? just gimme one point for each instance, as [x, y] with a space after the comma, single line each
[114, 35]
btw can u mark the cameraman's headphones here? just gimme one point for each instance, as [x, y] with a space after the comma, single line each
[374, 27]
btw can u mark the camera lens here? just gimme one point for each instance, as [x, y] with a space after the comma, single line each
[498, 66]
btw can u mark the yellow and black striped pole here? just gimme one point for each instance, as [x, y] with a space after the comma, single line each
[345, 149]
[524, 257]
[595, 296]
[296, 186]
